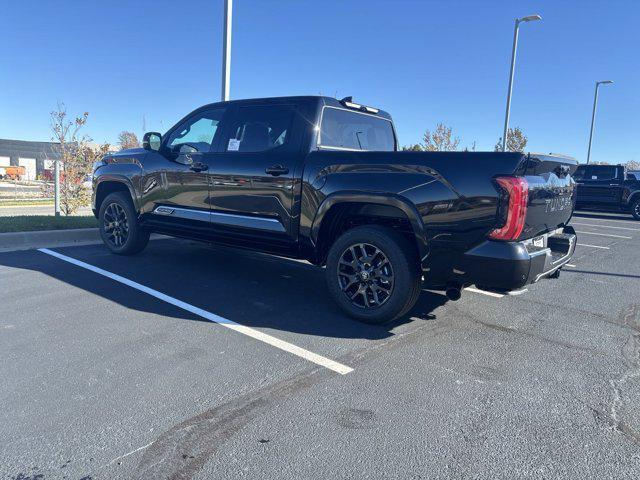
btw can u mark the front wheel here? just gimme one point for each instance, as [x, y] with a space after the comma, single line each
[373, 274]
[119, 227]
[635, 209]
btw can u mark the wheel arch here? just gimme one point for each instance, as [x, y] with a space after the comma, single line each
[110, 184]
[633, 197]
[389, 209]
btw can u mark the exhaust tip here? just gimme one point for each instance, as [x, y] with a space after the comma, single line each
[453, 293]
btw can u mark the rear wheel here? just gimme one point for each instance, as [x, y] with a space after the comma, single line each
[119, 227]
[635, 209]
[373, 274]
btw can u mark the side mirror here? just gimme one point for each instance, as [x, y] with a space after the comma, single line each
[152, 141]
[184, 152]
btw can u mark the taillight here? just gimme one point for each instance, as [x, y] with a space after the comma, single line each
[517, 190]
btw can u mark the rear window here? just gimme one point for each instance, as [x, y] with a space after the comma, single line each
[344, 129]
[595, 172]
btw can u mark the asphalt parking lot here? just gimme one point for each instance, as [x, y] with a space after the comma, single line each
[193, 361]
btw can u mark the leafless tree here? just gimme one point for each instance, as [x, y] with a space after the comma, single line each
[440, 140]
[77, 156]
[632, 165]
[128, 140]
[516, 141]
[416, 147]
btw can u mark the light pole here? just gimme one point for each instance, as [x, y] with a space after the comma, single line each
[593, 114]
[226, 49]
[530, 18]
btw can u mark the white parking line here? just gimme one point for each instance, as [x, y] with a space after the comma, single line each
[605, 226]
[615, 220]
[604, 235]
[484, 292]
[569, 265]
[212, 317]
[592, 246]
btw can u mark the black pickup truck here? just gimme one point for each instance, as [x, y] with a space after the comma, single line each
[321, 179]
[608, 188]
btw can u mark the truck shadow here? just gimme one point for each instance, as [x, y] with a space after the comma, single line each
[252, 289]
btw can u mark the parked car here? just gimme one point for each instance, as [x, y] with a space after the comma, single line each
[323, 180]
[608, 188]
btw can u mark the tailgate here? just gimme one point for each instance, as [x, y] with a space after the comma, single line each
[552, 193]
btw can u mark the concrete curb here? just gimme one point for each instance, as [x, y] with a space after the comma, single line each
[13, 241]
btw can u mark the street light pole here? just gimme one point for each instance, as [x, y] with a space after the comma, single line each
[593, 114]
[511, 72]
[226, 49]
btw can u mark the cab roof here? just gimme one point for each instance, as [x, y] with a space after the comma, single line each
[318, 99]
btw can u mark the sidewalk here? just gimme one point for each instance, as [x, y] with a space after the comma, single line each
[37, 210]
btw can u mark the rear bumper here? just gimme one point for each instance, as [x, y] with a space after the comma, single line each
[512, 265]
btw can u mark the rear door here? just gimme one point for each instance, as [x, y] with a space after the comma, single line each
[252, 176]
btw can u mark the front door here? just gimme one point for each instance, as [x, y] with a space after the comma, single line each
[176, 185]
[252, 175]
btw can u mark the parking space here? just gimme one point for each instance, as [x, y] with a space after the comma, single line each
[192, 361]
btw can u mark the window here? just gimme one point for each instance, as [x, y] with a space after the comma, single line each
[601, 173]
[355, 131]
[580, 173]
[259, 128]
[197, 132]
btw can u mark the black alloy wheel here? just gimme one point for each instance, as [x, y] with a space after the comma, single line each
[115, 225]
[635, 209]
[365, 275]
[373, 273]
[119, 227]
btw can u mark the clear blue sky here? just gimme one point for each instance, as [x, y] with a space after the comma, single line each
[423, 61]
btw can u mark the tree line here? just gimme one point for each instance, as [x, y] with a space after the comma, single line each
[442, 139]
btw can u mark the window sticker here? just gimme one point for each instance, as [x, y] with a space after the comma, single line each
[234, 145]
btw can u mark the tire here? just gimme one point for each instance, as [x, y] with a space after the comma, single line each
[635, 209]
[389, 289]
[119, 226]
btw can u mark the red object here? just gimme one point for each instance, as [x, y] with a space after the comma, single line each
[517, 189]
[15, 172]
[49, 175]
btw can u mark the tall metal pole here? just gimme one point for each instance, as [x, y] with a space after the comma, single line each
[226, 50]
[593, 114]
[513, 66]
[530, 18]
[593, 119]
[56, 187]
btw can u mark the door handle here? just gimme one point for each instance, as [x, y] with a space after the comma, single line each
[198, 166]
[276, 170]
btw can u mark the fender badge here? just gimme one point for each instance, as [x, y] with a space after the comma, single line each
[163, 210]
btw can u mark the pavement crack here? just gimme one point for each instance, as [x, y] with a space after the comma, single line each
[533, 335]
[631, 357]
